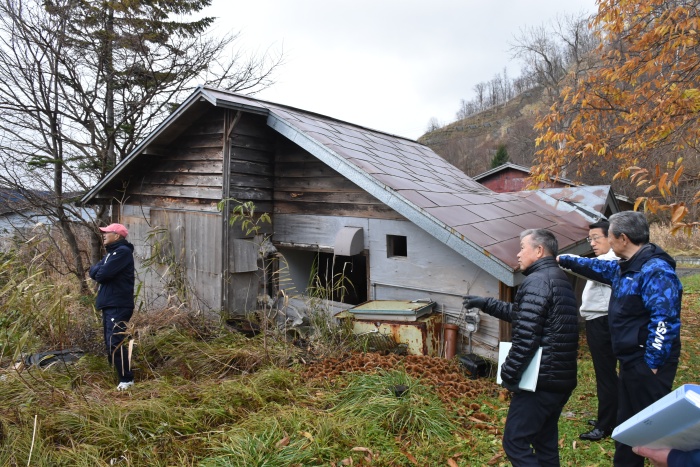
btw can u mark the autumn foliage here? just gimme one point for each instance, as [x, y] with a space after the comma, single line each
[636, 110]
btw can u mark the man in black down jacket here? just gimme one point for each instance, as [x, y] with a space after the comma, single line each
[544, 314]
[115, 297]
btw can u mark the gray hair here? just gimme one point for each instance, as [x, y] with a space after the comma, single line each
[543, 238]
[631, 223]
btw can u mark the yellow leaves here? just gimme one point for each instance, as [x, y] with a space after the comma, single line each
[678, 212]
[640, 100]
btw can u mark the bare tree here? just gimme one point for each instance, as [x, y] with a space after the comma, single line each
[549, 52]
[81, 83]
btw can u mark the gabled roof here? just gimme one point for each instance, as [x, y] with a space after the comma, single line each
[519, 168]
[479, 224]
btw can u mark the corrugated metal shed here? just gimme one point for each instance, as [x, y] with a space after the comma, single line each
[479, 224]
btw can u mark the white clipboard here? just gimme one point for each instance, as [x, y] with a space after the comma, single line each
[528, 382]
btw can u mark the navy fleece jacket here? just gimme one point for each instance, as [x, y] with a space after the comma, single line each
[115, 274]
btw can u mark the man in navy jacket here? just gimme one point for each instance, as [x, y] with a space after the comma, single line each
[644, 316]
[115, 298]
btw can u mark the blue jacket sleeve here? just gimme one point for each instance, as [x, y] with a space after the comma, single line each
[95, 268]
[678, 458]
[111, 265]
[661, 293]
[599, 270]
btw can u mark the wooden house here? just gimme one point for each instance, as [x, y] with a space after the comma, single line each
[394, 217]
[510, 177]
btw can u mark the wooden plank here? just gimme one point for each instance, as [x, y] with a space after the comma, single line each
[185, 204]
[197, 167]
[177, 192]
[248, 167]
[201, 141]
[251, 194]
[251, 181]
[329, 197]
[183, 179]
[305, 169]
[196, 154]
[253, 155]
[256, 143]
[328, 209]
[253, 125]
[324, 184]
[211, 122]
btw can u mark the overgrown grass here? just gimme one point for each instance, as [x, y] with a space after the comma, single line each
[679, 244]
[206, 396]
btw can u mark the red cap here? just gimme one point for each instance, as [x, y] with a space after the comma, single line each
[116, 228]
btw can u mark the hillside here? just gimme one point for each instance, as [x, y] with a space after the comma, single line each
[471, 144]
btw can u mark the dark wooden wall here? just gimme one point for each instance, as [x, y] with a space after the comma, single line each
[185, 174]
[252, 159]
[305, 185]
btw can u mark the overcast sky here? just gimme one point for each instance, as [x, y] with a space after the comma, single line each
[390, 65]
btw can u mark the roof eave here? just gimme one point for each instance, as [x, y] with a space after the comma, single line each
[194, 97]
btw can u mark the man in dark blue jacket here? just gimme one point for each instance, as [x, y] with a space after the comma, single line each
[644, 316]
[115, 298]
[544, 314]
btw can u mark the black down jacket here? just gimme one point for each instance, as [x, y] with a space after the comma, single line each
[545, 314]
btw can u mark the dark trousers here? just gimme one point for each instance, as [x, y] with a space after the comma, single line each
[531, 434]
[605, 367]
[639, 388]
[114, 325]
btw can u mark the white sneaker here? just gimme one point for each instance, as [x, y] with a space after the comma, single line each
[124, 385]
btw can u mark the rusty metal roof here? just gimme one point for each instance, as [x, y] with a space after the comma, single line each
[480, 224]
[519, 168]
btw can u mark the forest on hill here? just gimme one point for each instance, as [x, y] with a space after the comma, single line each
[597, 102]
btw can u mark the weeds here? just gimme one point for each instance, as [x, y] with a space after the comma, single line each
[679, 244]
[206, 396]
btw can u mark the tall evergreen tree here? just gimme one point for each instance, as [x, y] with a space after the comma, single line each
[82, 82]
[501, 156]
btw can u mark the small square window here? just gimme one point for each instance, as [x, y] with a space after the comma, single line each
[396, 246]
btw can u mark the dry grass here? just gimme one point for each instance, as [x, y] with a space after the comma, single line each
[679, 244]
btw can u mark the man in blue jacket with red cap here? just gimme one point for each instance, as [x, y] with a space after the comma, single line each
[115, 298]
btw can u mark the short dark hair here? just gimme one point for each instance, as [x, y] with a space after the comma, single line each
[631, 223]
[543, 238]
[602, 225]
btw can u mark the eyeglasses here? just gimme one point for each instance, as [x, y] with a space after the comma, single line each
[594, 239]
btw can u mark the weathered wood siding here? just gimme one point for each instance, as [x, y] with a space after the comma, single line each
[251, 170]
[191, 241]
[186, 174]
[304, 184]
[252, 161]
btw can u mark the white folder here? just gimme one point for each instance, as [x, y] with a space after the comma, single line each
[528, 382]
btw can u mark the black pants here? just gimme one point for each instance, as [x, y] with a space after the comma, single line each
[114, 325]
[639, 388]
[605, 367]
[531, 434]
